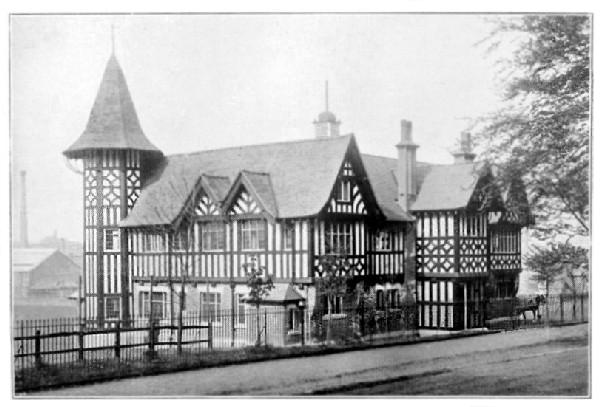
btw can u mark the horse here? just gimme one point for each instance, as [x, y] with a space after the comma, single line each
[533, 305]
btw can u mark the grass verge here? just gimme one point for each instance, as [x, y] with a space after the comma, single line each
[85, 372]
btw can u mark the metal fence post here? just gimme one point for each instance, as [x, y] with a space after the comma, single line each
[265, 328]
[179, 334]
[38, 351]
[210, 334]
[562, 308]
[118, 340]
[302, 328]
[80, 336]
[151, 334]
[582, 317]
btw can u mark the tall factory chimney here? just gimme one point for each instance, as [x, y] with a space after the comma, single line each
[23, 211]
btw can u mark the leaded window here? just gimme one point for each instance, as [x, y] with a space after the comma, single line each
[213, 236]
[111, 240]
[210, 306]
[253, 234]
[338, 238]
[159, 304]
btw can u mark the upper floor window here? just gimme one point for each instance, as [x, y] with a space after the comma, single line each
[152, 242]
[112, 241]
[288, 236]
[213, 236]
[253, 234]
[345, 191]
[383, 241]
[338, 238]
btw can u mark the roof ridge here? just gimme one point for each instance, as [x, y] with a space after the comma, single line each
[301, 141]
[214, 176]
[256, 172]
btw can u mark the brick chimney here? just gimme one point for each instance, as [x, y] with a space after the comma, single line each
[407, 163]
[465, 153]
[23, 211]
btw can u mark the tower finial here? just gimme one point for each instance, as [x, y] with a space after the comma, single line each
[112, 37]
[326, 96]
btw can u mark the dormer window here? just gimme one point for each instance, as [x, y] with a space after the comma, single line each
[112, 240]
[344, 192]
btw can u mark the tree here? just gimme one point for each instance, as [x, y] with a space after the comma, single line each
[541, 132]
[332, 282]
[556, 260]
[260, 284]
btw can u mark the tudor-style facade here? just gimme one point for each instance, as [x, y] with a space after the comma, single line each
[198, 219]
[468, 246]
[155, 224]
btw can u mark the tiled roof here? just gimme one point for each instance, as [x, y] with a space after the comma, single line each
[439, 186]
[447, 187]
[260, 184]
[382, 172]
[113, 121]
[301, 175]
[279, 294]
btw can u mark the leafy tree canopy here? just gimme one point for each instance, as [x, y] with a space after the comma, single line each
[541, 132]
[555, 260]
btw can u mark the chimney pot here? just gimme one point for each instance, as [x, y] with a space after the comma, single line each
[405, 131]
[465, 153]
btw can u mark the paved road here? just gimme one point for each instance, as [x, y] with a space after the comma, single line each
[527, 362]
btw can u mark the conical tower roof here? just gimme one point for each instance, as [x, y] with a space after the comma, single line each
[113, 121]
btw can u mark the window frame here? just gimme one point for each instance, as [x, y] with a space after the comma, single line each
[336, 232]
[115, 300]
[115, 239]
[211, 229]
[288, 240]
[344, 191]
[378, 246]
[145, 303]
[246, 228]
[207, 305]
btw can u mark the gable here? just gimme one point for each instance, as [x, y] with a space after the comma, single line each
[244, 204]
[346, 196]
[205, 206]
[486, 195]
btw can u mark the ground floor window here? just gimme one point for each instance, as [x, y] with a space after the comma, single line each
[112, 307]
[240, 309]
[158, 303]
[294, 316]
[210, 306]
[337, 307]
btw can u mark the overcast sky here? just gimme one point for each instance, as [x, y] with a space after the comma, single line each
[209, 81]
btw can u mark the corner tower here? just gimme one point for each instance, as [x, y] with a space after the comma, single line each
[116, 158]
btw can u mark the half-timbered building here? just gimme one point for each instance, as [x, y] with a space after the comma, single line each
[468, 231]
[196, 219]
[155, 225]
